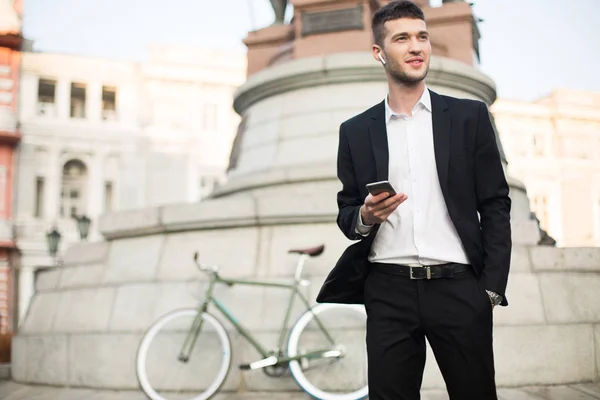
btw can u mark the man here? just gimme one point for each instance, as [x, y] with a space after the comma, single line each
[433, 260]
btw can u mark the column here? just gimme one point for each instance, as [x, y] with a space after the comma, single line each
[95, 190]
[53, 185]
[93, 101]
[26, 290]
[63, 98]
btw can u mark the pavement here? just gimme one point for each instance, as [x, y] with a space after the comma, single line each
[15, 391]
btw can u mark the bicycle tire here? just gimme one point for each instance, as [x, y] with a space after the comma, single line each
[155, 328]
[295, 367]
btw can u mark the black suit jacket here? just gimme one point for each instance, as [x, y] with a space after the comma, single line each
[471, 178]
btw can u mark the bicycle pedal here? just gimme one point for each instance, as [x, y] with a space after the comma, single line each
[267, 362]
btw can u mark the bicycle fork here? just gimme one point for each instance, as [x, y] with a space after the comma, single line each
[192, 336]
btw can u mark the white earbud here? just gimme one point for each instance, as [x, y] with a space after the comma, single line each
[381, 58]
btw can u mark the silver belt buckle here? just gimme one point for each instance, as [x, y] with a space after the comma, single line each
[427, 272]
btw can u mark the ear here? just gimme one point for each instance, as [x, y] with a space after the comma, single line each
[378, 54]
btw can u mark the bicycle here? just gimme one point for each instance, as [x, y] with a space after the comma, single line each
[174, 351]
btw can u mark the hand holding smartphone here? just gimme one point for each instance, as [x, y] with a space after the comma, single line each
[377, 188]
[376, 210]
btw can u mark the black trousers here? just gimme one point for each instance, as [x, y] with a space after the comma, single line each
[454, 314]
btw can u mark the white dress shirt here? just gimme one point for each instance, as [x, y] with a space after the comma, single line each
[419, 232]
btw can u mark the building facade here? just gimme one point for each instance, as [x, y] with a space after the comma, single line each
[11, 40]
[553, 147]
[102, 135]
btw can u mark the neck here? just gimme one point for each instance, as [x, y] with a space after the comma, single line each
[402, 98]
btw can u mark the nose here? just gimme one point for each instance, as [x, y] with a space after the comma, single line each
[415, 46]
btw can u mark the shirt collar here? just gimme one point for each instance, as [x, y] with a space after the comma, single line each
[424, 101]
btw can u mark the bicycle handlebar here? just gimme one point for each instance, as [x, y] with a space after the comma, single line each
[205, 267]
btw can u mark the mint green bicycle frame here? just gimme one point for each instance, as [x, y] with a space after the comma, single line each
[216, 279]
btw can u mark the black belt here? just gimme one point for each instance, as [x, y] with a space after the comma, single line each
[422, 272]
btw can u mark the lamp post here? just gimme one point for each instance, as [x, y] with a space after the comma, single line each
[53, 239]
[83, 226]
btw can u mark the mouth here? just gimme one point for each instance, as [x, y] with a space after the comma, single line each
[415, 61]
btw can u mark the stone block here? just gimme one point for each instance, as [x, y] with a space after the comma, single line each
[351, 95]
[81, 276]
[520, 260]
[256, 159]
[281, 209]
[545, 258]
[543, 354]
[103, 361]
[86, 253]
[84, 310]
[307, 150]
[233, 250]
[208, 214]
[261, 134]
[137, 300]
[295, 126]
[175, 295]
[582, 259]
[566, 259]
[45, 360]
[268, 109]
[19, 358]
[525, 301]
[118, 224]
[525, 233]
[134, 259]
[48, 279]
[41, 314]
[571, 297]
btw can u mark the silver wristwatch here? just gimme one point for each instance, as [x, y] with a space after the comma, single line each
[496, 298]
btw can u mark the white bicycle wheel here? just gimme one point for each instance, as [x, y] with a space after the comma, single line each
[343, 378]
[161, 372]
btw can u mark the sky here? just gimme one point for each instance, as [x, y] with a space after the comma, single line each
[529, 47]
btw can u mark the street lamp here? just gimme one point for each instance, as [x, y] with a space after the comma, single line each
[53, 239]
[83, 225]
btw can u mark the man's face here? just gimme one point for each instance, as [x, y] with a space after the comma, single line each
[406, 50]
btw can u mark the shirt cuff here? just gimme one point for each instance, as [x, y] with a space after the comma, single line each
[361, 228]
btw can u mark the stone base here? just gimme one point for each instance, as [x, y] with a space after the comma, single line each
[80, 331]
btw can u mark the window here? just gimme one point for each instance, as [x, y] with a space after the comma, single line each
[39, 197]
[74, 184]
[539, 144]
[46, 97]
[109, 103]
[210, 116]
[108, 196]
[77, 100]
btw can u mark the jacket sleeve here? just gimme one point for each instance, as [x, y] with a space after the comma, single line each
[348, 198]
[493, 205]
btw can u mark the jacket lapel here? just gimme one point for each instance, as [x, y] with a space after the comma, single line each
[379, 142]
[442, 126]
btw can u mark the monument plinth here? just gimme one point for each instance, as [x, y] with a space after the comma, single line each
[87, 318]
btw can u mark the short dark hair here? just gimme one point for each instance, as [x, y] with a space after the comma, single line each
[395, 9]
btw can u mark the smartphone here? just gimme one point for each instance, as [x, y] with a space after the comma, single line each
[376, 188]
